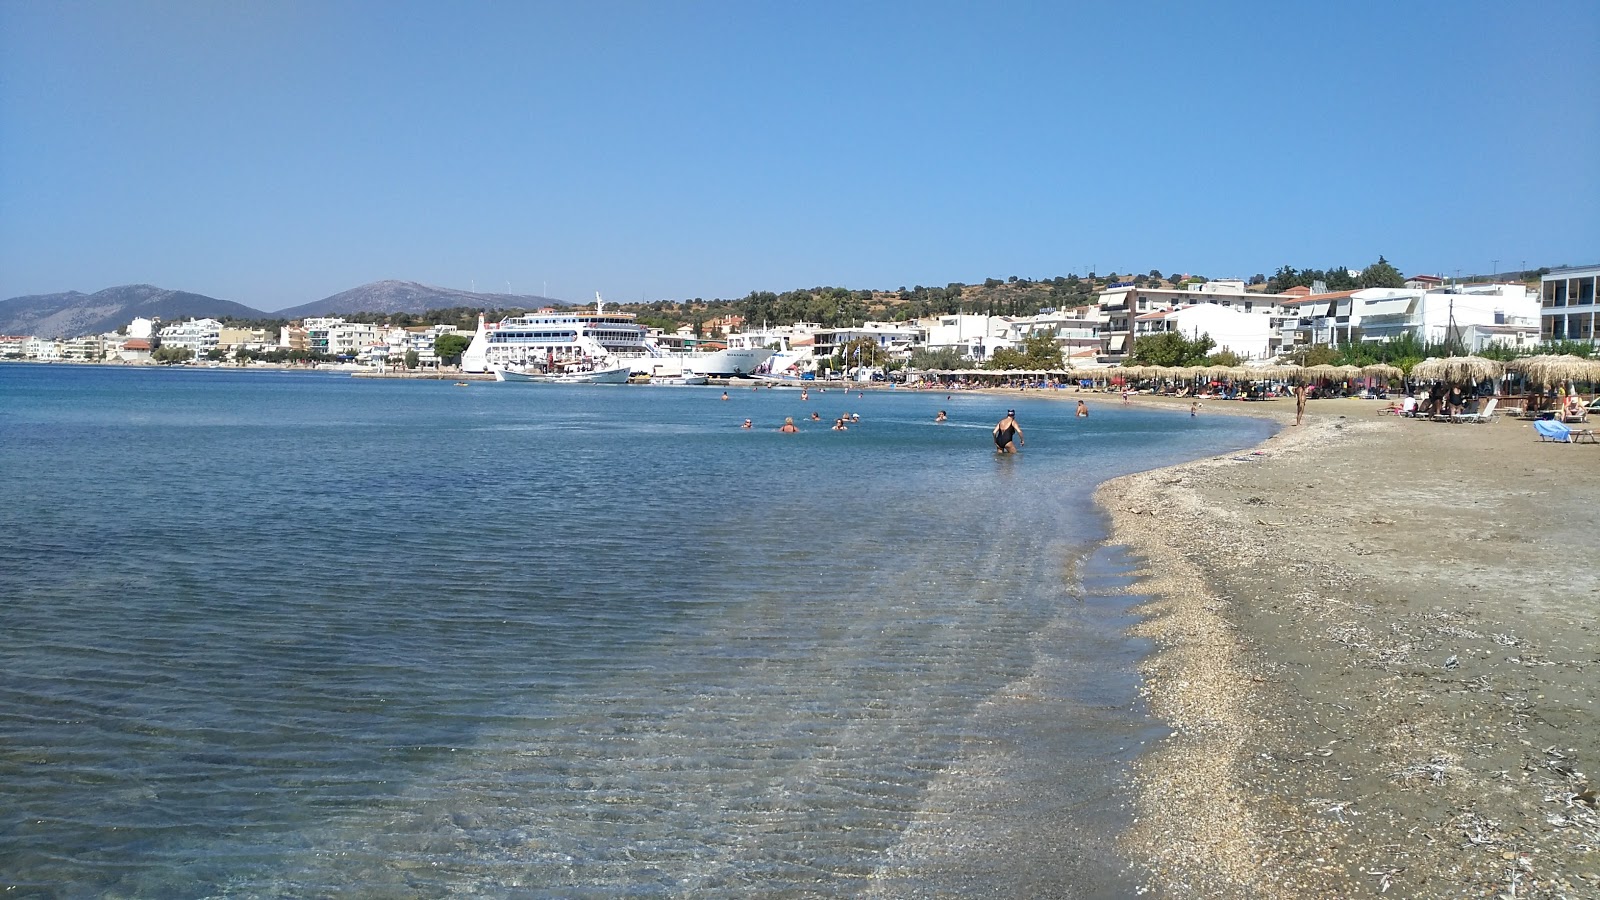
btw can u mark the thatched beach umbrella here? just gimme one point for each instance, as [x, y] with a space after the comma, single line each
[1381, 370]
[1475, 368]
[1547, 370]
[1457, 369]
[1322, 371]
[1430, 369]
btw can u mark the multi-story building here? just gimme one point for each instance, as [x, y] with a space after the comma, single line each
[1122, 304]
[255, 339]
[198, 336]
[1567, 301]
[972, 335]
[89, 348]
[335, 337]
[894, 338]
[1250, 335]
[1473, 315]
[1077, 332]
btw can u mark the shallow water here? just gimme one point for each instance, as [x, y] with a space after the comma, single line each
[293, 633]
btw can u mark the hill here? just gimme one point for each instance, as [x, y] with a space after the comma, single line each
[73, 314]
[408, 297]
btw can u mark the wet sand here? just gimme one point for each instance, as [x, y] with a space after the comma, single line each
[1375, 648]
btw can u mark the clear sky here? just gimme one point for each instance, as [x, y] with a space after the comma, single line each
[274, 152]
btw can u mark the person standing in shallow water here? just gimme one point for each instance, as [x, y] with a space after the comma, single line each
[1005, 431]
[1299, 403]
[1083, 410]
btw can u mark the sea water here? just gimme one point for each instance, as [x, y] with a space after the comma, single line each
[298, 634]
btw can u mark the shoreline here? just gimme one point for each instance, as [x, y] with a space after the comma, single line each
[1372, 682]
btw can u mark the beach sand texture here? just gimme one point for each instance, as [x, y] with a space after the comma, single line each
[1374, 641]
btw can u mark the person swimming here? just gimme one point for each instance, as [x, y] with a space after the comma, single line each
[1083, 410]
[940, 417]
[788, 426]
[747, 424]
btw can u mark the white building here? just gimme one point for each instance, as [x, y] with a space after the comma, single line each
[336, 337]
[1248, 334]
[41, 349]
[973, 336]
[198, 336]
[1476, 315]
[1568, 309]
[1122, 304]
[1077, 332]
[894, 338]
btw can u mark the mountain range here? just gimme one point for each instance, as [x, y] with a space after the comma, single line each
[73, 314]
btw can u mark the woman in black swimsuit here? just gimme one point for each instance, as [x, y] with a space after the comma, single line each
[1004, 432]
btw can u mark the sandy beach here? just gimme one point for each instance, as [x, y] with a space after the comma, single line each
[1374, 641]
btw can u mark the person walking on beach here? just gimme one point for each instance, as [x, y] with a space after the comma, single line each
[1005, 431]
[1083, 410]
[1194, 408]
[1299, 403]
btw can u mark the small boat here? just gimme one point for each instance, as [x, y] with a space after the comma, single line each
[615, 374]
[685, 378]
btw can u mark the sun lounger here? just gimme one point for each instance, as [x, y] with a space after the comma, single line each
[1551, 430]
[1483, 415]
[1585, 436]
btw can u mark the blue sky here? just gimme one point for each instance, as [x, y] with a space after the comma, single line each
[274, 153]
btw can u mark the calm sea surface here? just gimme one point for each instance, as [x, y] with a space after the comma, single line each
[298, 634]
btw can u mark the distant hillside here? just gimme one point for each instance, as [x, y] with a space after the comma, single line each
[73, 314]
[408, 297]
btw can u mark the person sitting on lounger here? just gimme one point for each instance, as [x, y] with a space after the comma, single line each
[1575, 410]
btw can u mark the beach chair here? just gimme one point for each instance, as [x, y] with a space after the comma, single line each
[1483, 415]
[1553, 431]
[1585, 436]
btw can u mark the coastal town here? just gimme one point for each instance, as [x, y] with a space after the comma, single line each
[1248, 324]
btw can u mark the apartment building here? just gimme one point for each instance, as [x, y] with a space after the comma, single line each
[1122, 304]
[1567, 307]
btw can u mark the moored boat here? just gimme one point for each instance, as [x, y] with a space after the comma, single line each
[610, 374]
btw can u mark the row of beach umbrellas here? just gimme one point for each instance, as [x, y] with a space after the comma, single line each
[1544, 371]
[1540, 370]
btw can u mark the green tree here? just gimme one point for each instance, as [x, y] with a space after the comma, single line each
[170, 354]
[449, 347]
[1170, 348]
[863, 352]
[1038, 351]
[1224, 358]
[944, 358]
[412, 359]
[1382, 274]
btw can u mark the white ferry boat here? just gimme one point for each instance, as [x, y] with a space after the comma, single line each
[550, 336]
